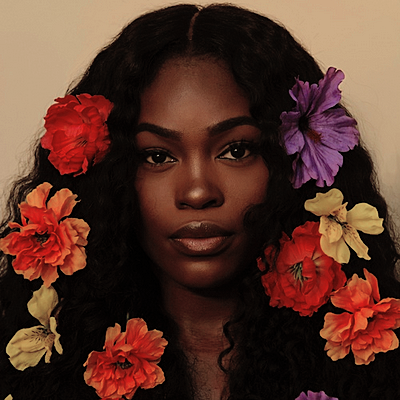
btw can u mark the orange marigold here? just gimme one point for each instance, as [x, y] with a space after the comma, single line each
[46, 240]
[128, 362]
[303, 276]
[367, 329]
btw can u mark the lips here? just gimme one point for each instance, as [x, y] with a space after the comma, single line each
[201, 239]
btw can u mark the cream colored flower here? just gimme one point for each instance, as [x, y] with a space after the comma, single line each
[9, 397]
[28, 345]
[339, 226]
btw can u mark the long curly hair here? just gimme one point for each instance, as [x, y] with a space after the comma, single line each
[278, 354]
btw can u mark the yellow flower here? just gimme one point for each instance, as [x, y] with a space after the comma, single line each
[339, 226]
[28, 345]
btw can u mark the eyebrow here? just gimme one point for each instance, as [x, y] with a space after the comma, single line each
[214, 130]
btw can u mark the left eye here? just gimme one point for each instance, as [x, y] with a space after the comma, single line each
[236, 151]
[158, 157]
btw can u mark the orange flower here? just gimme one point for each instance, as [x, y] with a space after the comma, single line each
[303, 277]
[128, 362]
[368, 327]
[76, 132]
[45, 241]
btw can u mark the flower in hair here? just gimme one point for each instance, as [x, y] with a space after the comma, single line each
[339, 226]
[46, 239]
[76, 132]
[317, 130]
[367, 328]
[301, 277]
[128, 362]
[315, 396]
[29, 345]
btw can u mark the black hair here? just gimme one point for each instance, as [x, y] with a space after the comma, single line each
[279, 354]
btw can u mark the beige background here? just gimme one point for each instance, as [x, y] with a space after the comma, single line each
[45, 44]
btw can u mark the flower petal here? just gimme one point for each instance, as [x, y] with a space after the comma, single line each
[43, 303]
[53, 329]
[336, 129]
[337, 250]
[62, 203]
[371, 279]
[293, 138]
[315, 396]
[321, 162]
[352, 238]
[329, 93]
[365, 218]
[330, 229]
[38, 196]
[324, 203]
[26, 348]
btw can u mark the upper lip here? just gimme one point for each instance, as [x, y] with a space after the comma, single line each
[200, 230]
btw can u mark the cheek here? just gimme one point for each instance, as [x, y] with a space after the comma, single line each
[155, 202]
[249, 188]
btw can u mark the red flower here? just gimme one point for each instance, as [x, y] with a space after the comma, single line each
[368, 327]
[129, 361]
[302, 277]
[45, 241]
[76, 132]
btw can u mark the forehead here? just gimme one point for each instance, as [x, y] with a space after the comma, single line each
[192, 90]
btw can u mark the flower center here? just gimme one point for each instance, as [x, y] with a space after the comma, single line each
[81, 142]
[41, 238]
[314, 135]
[124, 365]
[296, 270]
[334, 218]
[42, 334]
[311, 133]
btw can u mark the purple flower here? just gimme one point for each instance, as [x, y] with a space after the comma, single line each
[315, 396]
[316, 131]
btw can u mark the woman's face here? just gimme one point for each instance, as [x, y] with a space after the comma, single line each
[198, 174]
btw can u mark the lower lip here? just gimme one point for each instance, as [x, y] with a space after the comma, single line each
[202, 246]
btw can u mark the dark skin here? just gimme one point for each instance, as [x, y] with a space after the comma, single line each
[198, 176]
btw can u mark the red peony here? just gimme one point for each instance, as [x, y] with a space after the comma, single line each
[302, 277]
[76, 132]
[45, 240]
[128, 362]
[367, 329]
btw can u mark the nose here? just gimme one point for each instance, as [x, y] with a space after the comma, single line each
[198, 187]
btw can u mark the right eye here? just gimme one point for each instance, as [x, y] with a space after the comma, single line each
[158, 157]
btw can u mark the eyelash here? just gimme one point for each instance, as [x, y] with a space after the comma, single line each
[146, 154]
[248, 147]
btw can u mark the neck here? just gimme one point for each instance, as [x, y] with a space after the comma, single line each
[200, 316]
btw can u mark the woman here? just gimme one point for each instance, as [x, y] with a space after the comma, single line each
[186, 165]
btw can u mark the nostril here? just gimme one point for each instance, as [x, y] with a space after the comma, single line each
[199, 206]
[211, 203]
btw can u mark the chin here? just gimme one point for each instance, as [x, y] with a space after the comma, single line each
[205, 275]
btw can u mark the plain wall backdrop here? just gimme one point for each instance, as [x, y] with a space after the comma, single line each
[45, 44]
